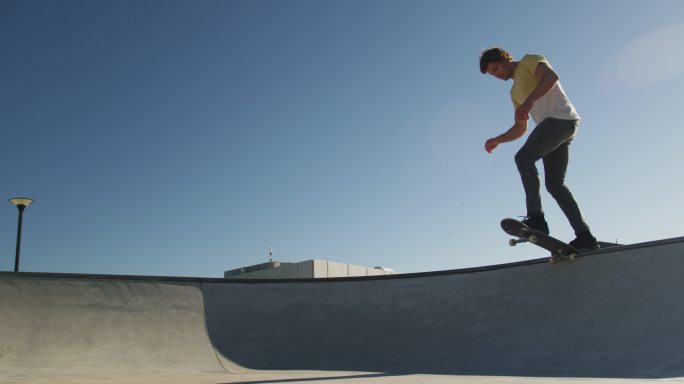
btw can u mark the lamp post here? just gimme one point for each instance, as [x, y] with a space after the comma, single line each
[21, 203]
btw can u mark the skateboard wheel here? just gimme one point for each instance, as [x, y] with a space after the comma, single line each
[532, 239]
[512, 242]
[572, 256]
[552, 260]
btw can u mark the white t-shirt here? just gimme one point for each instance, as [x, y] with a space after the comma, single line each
[555, 103]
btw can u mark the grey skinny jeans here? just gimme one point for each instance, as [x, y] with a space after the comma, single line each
[550, 141]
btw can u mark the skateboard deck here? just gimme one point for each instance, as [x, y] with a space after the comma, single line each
[559, 250]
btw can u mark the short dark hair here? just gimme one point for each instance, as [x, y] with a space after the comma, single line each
[493, 55]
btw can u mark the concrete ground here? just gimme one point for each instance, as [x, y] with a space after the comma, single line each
[325, 377]
[614, 316]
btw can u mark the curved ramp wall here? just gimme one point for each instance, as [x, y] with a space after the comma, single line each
[615, 313]
[82, 326]
[611, 314]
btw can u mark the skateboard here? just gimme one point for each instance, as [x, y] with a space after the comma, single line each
[559, 250]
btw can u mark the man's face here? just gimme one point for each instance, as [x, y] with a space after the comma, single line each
[499, 70]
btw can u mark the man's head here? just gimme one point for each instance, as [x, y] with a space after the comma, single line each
[497, 62]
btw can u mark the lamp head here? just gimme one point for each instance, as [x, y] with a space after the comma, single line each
[21, 201]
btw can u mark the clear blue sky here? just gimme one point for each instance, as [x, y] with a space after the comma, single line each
[187, 137]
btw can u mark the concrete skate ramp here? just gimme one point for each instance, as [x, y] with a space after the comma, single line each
[84, 326]
[617, 313]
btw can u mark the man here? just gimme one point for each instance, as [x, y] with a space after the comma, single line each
[536, 92]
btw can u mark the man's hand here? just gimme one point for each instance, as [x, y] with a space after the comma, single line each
[514, 133]
[491, 144]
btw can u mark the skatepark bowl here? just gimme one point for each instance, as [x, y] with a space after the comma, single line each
[613, 315]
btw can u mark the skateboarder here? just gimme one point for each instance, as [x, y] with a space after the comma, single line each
[536, 92]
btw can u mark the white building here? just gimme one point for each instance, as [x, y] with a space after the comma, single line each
[317, 269]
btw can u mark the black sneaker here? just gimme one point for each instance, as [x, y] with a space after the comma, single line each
[537, 223]
[585, 241]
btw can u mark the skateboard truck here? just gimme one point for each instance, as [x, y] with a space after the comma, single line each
[513, 242]
[558, 256]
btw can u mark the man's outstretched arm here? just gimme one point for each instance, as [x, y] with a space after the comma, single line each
[514, 133]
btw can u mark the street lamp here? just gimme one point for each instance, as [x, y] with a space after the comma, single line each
[21, 203]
